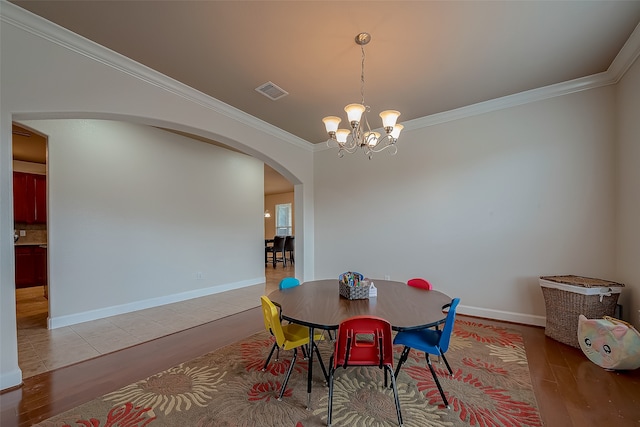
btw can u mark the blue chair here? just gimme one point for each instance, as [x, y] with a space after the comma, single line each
[430, 341]
[287, 282]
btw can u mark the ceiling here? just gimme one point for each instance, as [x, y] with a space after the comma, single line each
[425, 57]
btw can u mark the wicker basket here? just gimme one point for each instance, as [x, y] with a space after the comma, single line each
[566, 297]
[354, 292]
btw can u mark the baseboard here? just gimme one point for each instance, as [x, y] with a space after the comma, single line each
[11, 379]
[87, 316]
[508, 316]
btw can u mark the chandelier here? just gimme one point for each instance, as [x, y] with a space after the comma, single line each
[360, 135]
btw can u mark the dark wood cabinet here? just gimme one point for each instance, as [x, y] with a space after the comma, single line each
[21, 197]
[25, 267]
[40, 264]
[40, 199]
[31, 266]
[29, 198]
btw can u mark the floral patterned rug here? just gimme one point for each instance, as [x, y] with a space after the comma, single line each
[490, 386]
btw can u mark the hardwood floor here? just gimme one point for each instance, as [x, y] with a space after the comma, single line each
[570, 390]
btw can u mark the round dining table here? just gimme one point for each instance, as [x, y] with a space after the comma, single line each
[317, 304]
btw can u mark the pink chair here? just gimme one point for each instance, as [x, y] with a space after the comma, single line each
[420, 283]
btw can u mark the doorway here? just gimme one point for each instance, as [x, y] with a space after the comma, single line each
[30, 228]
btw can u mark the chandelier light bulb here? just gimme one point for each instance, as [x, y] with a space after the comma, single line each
[395, 133]
[342, 134]
[331, 123]
[372, 138]
[354, 113]
[389, 118]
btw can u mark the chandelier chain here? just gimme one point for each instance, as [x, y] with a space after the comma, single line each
[362, 76]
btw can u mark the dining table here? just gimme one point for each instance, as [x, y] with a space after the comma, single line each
[318, 304]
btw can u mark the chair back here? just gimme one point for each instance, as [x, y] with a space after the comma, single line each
[420, 283]
[278, 243]
[289, 243]
[289, 282]
[364, 341]
[272, 319]
[445, 337]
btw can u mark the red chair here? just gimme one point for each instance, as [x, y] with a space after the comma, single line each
[364, 341]
[420, 283]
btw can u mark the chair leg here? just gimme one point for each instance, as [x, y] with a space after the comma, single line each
[395, 392]
[330, 403]
[435, 378]
[266, 363]
[403, 358]
[446, 363]
[286, 378]
[324, 370]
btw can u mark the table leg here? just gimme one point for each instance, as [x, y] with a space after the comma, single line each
[310, 371]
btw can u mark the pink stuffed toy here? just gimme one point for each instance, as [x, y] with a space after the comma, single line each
[610, 343]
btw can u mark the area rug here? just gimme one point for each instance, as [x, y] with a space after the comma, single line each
[490, 386]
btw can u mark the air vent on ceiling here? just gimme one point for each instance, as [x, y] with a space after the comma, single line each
[272, 91]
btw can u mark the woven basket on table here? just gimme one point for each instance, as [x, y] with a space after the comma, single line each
[564, 307]
[354, 292]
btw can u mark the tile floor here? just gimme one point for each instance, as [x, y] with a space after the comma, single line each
[41, 350]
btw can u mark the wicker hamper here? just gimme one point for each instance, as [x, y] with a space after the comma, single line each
[566, 297]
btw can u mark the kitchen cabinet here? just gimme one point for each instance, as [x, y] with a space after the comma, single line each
[31, 266]
[25, 267]
[20, 197]
[40, 199]
[29, 198]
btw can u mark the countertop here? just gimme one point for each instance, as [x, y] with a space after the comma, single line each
[41, 244]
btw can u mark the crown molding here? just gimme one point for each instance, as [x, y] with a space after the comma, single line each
[627, 55]
[621, 63]
[33, 24]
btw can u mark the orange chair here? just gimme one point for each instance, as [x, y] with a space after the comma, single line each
[420, 283]
[364, 341]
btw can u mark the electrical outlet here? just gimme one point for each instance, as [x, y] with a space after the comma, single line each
[23, 233]
[199, 275]
[387, 277]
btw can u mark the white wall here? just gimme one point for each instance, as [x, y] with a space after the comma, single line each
[479, 206]
[49, 73]
[628, 249]
[139, 216]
